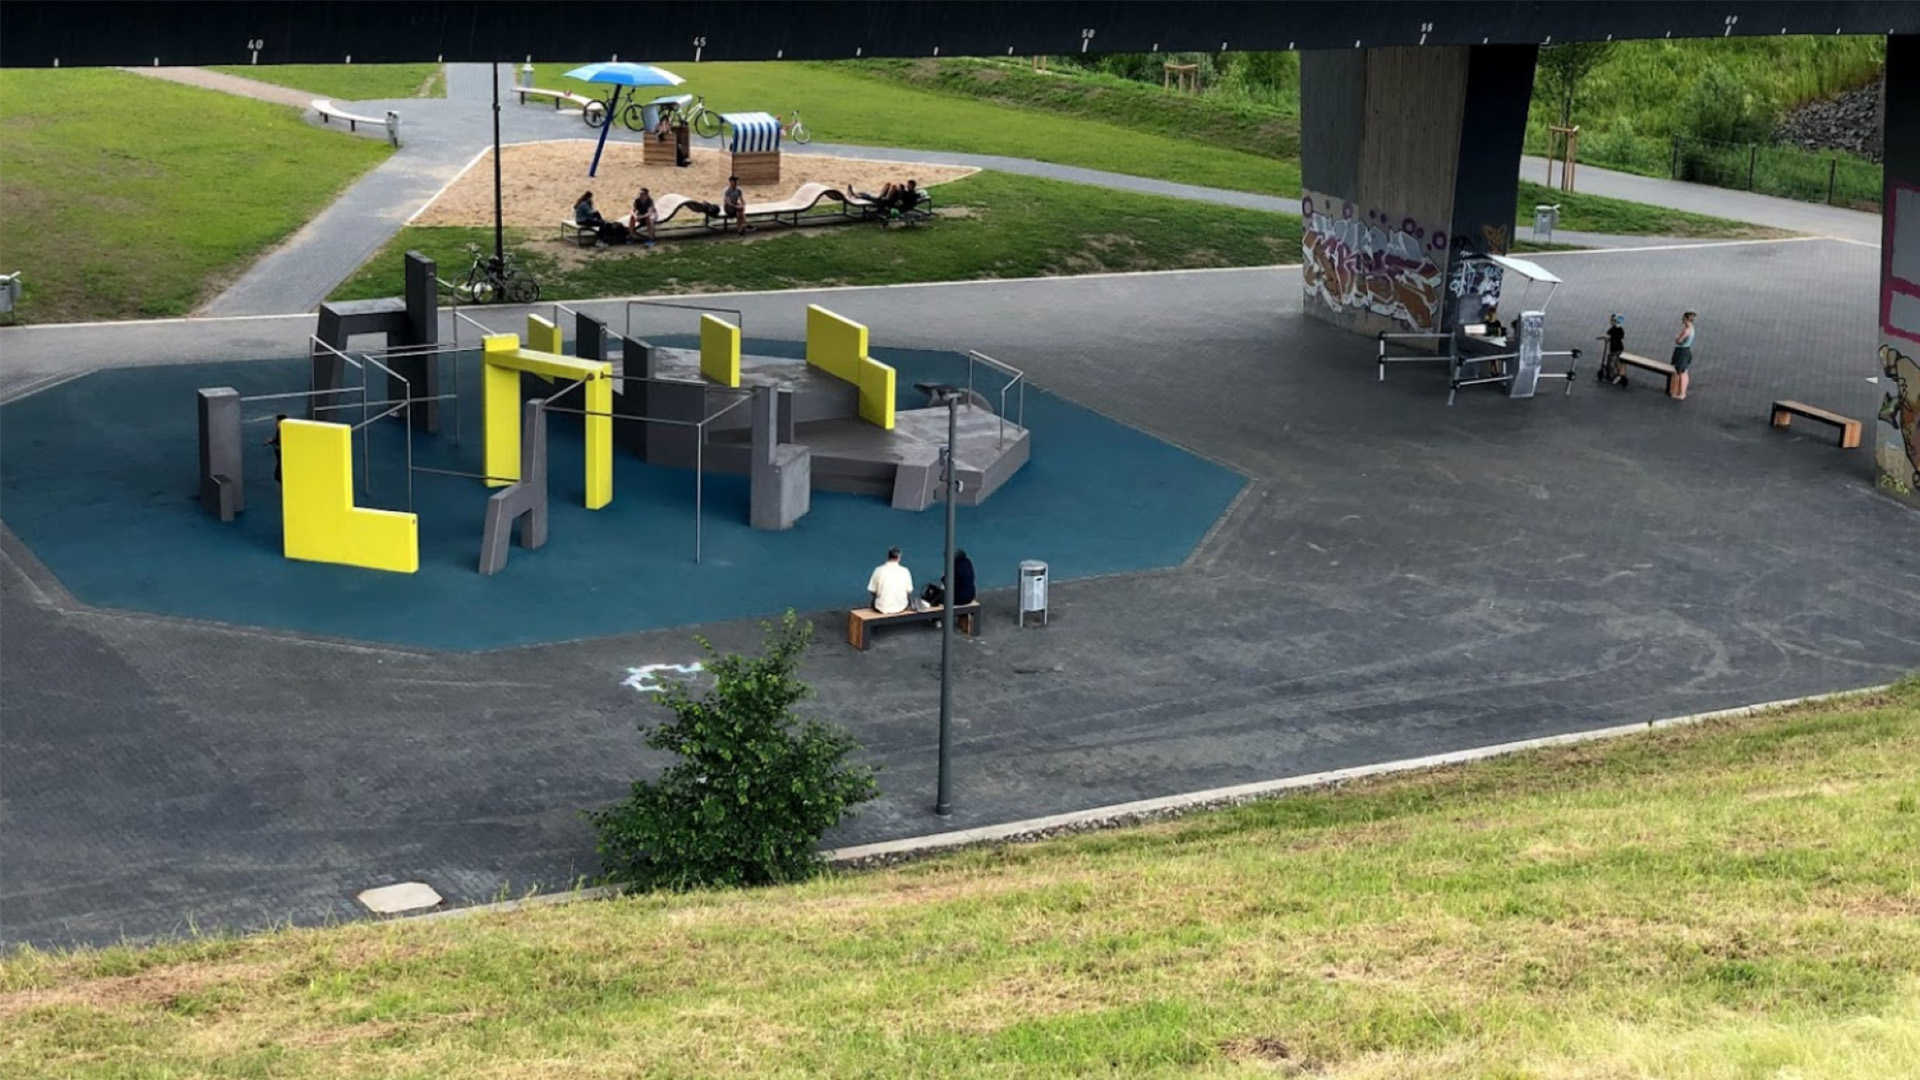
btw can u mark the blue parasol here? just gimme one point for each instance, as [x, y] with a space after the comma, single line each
[619, 74]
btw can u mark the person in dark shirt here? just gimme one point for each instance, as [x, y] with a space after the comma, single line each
[935, 593]
[1616, 343]
[963, 591]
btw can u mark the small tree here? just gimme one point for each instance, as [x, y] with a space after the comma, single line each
[1564, 67]
[755, 786]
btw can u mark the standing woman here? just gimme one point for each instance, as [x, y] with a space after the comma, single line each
[1683, 352]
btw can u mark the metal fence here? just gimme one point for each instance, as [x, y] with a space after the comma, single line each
[1787, 171]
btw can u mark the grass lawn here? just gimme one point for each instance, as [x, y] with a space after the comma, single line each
[1735, 900]
[842, 105]
[350, 82]
[1001, 226]
[1599, 214]
[108, 216]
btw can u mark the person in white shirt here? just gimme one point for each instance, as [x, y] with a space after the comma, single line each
[891, 585]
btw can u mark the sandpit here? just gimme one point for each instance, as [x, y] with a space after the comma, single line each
[540, 181]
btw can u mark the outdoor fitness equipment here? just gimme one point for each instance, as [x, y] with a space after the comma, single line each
[1476, 358]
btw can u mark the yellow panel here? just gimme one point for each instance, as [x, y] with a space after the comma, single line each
[835, 344]
[876, 392]
[720, 351]
[543, 336]
[500, 405]
[599, 443]
[552, 364]
[318, 519]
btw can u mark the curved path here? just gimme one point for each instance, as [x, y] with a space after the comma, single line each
[441, 136]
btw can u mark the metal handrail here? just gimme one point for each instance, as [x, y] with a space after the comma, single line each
[1019, 378]
[1386, 336]
[739, 317]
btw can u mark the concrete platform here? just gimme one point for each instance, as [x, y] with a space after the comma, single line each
[849, 454]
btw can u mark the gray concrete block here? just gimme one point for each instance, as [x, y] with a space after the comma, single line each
[222, 479]
[525, 502]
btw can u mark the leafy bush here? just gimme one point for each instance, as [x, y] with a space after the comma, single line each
[755, 786]
[1722, 109]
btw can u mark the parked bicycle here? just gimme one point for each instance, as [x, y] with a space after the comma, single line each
[795, 130]
[704, 121]
[490, 279]
[632, 114]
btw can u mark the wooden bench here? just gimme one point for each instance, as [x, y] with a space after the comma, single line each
[330, 112]
[861, 620]
[1658, 367]
[1785, 411]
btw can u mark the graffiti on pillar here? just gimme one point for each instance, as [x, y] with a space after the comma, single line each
[1474, 284]
[1477, 280]
[1900, 457]
[1367, 260]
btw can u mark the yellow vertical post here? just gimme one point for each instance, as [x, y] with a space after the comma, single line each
[599, 429]
[500, 402]
[543, 336]
[720, 351]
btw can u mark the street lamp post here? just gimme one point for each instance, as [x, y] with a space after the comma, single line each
[499, 229]
[943, 801]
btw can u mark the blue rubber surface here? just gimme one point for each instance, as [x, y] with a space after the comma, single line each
[97, 477]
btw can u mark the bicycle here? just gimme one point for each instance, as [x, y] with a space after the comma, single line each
[795, 130]
[632, 114]
[704, 121]
[488, 280]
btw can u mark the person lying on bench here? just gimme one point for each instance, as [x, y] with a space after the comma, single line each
[890, 586]
[905, 198]
[604, 231]
[734, 202]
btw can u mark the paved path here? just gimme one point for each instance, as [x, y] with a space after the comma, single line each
[228, 84]
[438, 137]
[1814, 219]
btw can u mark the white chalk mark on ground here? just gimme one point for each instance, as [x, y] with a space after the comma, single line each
[646, 679]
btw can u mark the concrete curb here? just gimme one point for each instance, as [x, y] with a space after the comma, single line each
[1118, 814]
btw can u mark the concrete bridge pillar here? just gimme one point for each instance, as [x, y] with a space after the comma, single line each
[1409, 162]
[1897, 445]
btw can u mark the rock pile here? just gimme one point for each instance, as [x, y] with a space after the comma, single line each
[1851, 122]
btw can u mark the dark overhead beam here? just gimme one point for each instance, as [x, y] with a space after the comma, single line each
[84, 33]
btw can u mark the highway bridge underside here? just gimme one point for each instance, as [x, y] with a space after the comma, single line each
[1409, 169]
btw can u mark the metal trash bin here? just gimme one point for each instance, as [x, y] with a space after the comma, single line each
[1544, 219]
[9, 292]
[1033, 590]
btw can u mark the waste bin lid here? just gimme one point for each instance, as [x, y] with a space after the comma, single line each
[1032, 566]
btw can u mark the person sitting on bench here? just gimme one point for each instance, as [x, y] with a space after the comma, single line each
[890, 586]
[963, 588]
[734, 202]
[604, 231]
[644, 216]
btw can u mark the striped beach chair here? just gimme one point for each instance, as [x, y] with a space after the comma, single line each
[754, 141]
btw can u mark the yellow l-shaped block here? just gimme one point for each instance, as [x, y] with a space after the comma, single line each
[319, 522]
